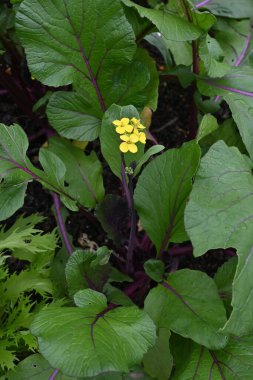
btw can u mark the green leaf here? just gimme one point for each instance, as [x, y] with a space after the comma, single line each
[188, 304]
[230, 8]
[224, 278]
[91, 340]
[155, 269]
[169, 24]
[35, 367]
[238, 79]
[54, 177]
[212, 56]
[7, 359]
[232, 363]
[110, 140]
[227, 132]
[13, 147]
[23, 231]
[208, 125]
[81, 274]
[158, 361]
[149, 153]
[60, 50]
[159, 42]
[83, 172]
[219, 215]
[242, 112]
[170, 177]
[231, 35]
[73, 116]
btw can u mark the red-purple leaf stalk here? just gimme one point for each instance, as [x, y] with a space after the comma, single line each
[241, 56]
[54, 374]
[61, 224]
[202, 3]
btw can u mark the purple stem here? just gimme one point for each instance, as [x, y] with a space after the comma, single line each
[54, 374]
[61, 223]
[241, 57]
[124, 181]
[202, 3]
[231, 89]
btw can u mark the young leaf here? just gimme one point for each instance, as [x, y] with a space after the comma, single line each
[224, 279]
[219, 215]
[160, 199]
[81, 274]
[169, 24]
[212, 55]
[83, 172]
[208, 125]
[188, 304]
[88, 341]
[110, 140]
[149, 153]
[155, 269]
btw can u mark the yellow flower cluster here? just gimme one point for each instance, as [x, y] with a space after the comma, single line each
[131, 132]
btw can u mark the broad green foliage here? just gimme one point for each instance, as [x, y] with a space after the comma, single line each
[17, 308]
[188, 304]
[97, 63]
[95, 337]
[170, 176]
[124, 308]
[170, 25]
[230, 8]
[66, 169]
[219, 215]
[239, 79]
[232, 363]
[158, 361]
[84, 270]
[83, 172]
[242, 112]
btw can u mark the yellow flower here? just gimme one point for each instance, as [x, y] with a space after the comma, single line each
[128, 144]
[136, 123]
[142, 137]
[123, 126]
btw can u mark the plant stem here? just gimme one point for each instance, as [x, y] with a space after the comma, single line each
[61, 224]
[124, 181]
[131, 242]
[195, 69]
[54, 374]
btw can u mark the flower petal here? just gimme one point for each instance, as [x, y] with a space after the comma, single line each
[124, 147]
[132, 148]
[125, 138]
[135, 121]
[142, 137]
[124, 121]
[140, 126]
[128, 128]
[120, 130]
[133, 138]
[117, 123]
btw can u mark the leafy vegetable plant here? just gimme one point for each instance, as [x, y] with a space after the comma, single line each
[134, 302]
